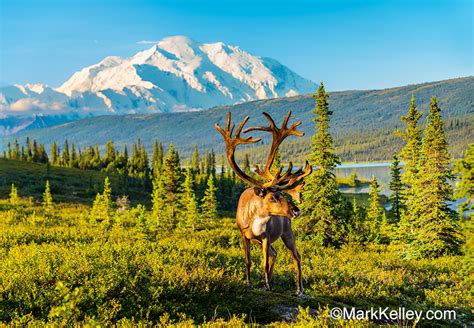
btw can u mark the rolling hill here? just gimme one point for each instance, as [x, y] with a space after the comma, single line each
[363, 122]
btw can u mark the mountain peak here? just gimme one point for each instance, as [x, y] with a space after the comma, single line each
[177, 39]
[175, 74]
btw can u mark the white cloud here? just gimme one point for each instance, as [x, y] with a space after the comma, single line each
[31, 106]
[147, 42]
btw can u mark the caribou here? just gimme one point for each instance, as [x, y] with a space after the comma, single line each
[264, 213]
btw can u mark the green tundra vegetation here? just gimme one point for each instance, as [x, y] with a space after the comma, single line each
[118, 239]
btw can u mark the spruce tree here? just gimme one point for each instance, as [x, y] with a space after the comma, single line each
[142, 220]
[157, 157]
[158, 200]
[396, 186]
[276, 162]
[374, 212]
[323, 205]
[102, 206]
[356, 227]
[97, 213]
[43, 155]
[189, 202]
[107, 195]
[195, 160]
[16, 151]
[209, 201]
[65, 157]
[109, 158]
[247, 164]
[47, 198]
[36, 154]
[14, 198]
[171, 183]
[28, 150]
[410, 155]
[436, 228]
[23, 154]
[54, 150]
[465, 186]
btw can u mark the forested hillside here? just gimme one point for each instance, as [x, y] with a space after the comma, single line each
[363, 123]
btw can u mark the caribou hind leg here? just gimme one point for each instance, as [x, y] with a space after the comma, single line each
[290, 243]
[272, 257]
[266, 262]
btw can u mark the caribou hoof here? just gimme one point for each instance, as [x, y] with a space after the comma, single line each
[249, 286]
[299, 293]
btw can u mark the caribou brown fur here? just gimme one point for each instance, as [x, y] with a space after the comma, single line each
[264, 214]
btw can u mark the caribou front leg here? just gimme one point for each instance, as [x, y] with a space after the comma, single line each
[290, 243]
[246, 247]
[266, 262]
[272, 258]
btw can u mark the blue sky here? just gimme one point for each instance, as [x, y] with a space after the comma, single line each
[347, 44]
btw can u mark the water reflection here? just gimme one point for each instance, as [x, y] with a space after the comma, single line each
[365, 171]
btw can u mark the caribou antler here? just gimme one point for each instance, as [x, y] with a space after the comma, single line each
[289, 182]
[278, 135]
[232, 142]
[278, 181]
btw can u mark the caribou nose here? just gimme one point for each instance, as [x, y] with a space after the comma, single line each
[296, 213]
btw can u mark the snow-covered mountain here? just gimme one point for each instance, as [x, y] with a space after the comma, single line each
[176, 74]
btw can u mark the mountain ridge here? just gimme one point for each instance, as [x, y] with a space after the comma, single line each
[362, 120]
[176, 74]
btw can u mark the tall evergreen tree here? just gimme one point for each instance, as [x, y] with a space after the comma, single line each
[323, 214]
[247, 164]
[374, 212]
[28, 150]
[65, 157]
[195, 160]
[9, 151]
[54, 158]
[465, 186]
[158, 200]
[356, 227]
[276, 162]
[189, 201]
[410, 154]
[209, 201]
[73, 159]
[36, 154]
[14, 198]
[436, 229]
[16, 150]
[157, 157]
[396, 186]
[23, 154]
[109, 157]
[47, 198]
[171, 182]
[102, 206]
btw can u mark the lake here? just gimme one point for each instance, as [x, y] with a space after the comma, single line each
[365, 171]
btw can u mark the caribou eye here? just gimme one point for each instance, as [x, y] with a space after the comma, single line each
[274, 198]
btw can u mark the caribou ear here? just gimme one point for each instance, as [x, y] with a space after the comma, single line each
[259, 191]
[295, 193]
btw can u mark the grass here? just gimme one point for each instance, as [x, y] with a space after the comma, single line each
[63, 269]
[67, 184]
